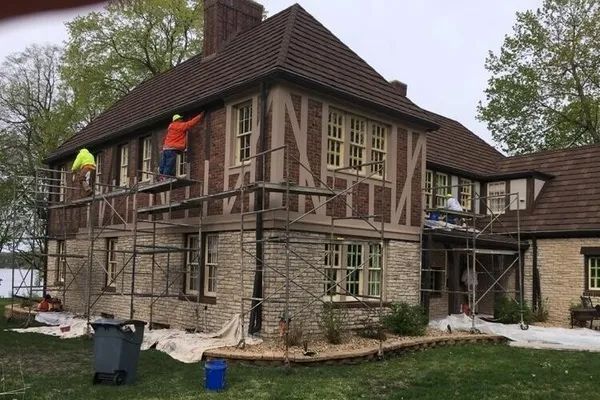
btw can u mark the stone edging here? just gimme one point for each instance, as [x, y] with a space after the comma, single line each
[353, 356]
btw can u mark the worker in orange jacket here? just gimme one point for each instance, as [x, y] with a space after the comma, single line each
[175, 142]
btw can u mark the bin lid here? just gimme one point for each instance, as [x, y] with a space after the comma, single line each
[117, 322]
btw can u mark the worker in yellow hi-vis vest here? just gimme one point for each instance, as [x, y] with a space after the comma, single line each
[84, 167]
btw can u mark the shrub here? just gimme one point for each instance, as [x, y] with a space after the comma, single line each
[407, 320]
[541, 314]
[372, 331]
[508, 311]
[294, 335]
[332, 322]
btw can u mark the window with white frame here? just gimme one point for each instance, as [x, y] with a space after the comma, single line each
[98, 183]
[62, 183]
[442, 190]
[243, 132]
[61, 262]
[353, 270]
[181, 168]
[335, 138]
[465, 193]
[333, 256]
[124, 165]
[358, 135]
[378, 149]
[192, 265]
[496, 197]
[593, 272]
[111, 262]
[146, 159]
[429, 189]
[374, 277]
[211, 262]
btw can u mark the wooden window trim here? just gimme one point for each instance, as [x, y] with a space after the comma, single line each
[120, 148]
[239, 136]
[98, 178]
[111, 251]
[200, 295]
[594, 292]
[145, 152]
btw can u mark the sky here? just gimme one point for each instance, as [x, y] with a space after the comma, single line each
[437, 47]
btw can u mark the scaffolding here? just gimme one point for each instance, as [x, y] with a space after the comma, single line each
[49, 192]
[476, 230]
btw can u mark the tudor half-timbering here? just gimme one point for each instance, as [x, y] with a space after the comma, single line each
[286, 103]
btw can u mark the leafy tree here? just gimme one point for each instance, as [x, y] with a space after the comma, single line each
[544, 92]
[110, 52]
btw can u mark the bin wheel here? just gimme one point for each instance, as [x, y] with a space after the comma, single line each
[119, 377]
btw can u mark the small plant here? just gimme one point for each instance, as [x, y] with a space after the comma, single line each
[332, 323]
[294, 335]
[372, 331]
[508, 311]
[541, 313]
[407, 320]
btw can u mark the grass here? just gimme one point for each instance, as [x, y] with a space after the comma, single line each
[62, 369]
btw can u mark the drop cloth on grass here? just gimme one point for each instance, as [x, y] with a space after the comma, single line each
[534, 337]
[71, 325]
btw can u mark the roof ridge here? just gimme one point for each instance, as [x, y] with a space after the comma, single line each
[287, 36]
[551, 151]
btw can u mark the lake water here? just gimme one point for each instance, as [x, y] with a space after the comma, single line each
[20, 274]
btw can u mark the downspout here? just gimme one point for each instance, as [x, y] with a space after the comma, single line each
[536, 300]
[255, 320]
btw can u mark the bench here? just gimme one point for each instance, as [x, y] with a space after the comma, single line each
[586, 313]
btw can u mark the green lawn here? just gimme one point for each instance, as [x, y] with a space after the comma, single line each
[62, 369]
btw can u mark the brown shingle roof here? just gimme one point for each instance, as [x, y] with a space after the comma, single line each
[291, 44]
[456, 147]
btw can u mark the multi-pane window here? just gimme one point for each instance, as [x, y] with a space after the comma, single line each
[61, 262]
[428, 189]
[181, 165]
[374, 278]
[378, 150]
[98, 185]
[442, 189]
[354, 264]
[146, 158]
[124, 165]
[192, 265]
[593, 266]
[496, 192]
[62, 183]
[243, 131]
[333, 256]
[111, 262]
[466, 193]
[358, 135]
[211, 261]
[335, 138]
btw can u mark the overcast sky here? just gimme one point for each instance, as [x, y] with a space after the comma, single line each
[437, 47]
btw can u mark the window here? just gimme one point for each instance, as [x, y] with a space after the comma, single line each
[243, 132]
[124, 165]
[332, 266]
[358, 134]
[210, 265]
[146, 159]
[378, 150]
[442, 189]
[496, 192]
[354, 264]
[335, 139]
[61, 262]
[192, 265]
[428, 189]
[111, 262]
[375, 262]
[593, 272]
[62, 183]
[466, 193]
[437, 281]
[181, 165]
[98, 186]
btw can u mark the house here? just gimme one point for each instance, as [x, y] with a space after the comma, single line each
[302, 187]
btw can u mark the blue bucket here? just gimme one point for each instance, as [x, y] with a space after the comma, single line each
[214, 375]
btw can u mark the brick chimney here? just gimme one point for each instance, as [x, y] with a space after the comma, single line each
[401, 87]
[223, 19]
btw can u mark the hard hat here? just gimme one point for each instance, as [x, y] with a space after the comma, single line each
[176, 117]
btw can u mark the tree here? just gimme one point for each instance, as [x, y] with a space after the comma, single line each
[111, 52]
[544, 92]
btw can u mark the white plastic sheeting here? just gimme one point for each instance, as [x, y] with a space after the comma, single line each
[534, 337]
[182, 346]
[189, 347]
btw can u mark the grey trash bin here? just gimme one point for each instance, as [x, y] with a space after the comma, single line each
[116, 350]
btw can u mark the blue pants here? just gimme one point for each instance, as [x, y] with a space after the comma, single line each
[168, 158]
